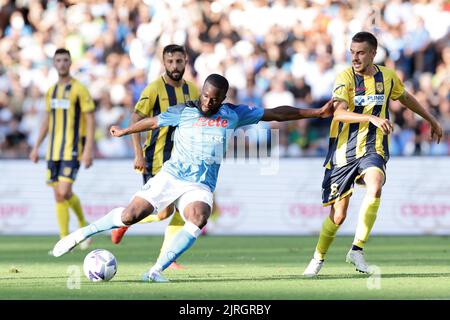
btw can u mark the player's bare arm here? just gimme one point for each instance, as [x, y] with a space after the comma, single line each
[140, 126]
[139, 161]
[342, 114]
[411, 103]
[34, 154]
[287, 113]
[87, 156]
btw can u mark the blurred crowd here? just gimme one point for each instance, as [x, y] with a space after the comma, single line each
[273, 52]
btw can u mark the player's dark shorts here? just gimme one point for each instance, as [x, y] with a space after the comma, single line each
[339, 181]
[146, 177]
[62, 171]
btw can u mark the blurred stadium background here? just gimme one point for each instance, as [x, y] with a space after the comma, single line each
[273, 53]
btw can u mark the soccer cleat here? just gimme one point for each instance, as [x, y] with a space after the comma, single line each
[313, 268]
[67, 243]
[154, 276]
[117, 234]
[85, 244]
[175, 266]
[356, 257]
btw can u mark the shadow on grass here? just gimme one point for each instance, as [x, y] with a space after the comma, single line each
[31, 278]
[214, 278]
[382, 276]
[295, 277]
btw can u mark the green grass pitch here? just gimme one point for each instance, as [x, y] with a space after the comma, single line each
[230, 268]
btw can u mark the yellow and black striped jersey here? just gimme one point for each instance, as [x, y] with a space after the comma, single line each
[155, 99]
[363, 95]
[67, 105]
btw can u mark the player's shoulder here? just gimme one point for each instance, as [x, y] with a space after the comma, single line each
[191, 84]
[79, 87]
[154, 86]
[230, 107]
[77, 84]
[386, 70]
[50, 89]
[346, 74]
[239, 109]
[181, 107]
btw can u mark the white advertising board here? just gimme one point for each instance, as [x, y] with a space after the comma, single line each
[285, 200]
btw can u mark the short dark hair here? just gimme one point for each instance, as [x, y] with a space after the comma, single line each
[62, 51]
[218, 81]
[171, 48]
[365, 36]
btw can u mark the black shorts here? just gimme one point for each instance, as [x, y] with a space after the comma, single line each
[62, 171]
[338, 182]
[146, 177]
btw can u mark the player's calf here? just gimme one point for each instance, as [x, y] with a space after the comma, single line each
[137, 210]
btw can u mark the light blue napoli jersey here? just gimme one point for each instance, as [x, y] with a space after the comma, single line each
[200, 142]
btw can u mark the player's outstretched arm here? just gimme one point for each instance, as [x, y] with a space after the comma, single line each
[411, 103]
[287, 113]
[140, 126]
[139, 161]
[341, 114]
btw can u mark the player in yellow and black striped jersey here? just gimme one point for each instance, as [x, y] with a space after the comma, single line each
[359, 145]
[69, 125]
[155, 99]
[168, 90]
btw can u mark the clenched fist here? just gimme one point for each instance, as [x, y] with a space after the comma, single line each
[116, 131]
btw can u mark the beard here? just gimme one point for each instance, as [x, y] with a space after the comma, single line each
[63, 74]
[208, 113]
[177, 77]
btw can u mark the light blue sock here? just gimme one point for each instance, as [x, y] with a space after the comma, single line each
[184, 239]
[111, 220]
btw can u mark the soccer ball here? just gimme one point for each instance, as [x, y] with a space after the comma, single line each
[100, 265]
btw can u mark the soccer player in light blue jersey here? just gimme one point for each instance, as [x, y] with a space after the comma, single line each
[189, 177]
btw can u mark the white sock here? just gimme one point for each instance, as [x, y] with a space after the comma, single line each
[117, 216]
[192, 229]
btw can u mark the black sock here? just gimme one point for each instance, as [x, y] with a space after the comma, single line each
[356, 248]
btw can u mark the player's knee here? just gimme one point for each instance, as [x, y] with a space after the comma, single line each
[67, 195]
[200, 221]
[59, 197]
[197, 213]
[63, 195]
[199, 217]
[374, 190]
[339, 218]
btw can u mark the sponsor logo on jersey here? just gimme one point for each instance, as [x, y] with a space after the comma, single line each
[369, 99]
[209, 122]
[358, 89]
[207, 138]
[60, 104]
